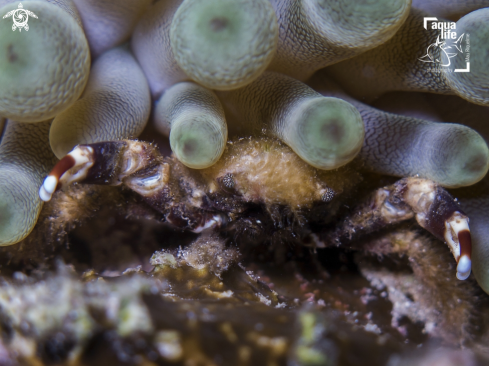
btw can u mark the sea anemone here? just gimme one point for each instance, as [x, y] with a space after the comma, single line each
[267, 150]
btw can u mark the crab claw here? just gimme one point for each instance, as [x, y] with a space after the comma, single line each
[457, 235]
[440, 214]
[133, 163]
[433, 207]
[79, 159]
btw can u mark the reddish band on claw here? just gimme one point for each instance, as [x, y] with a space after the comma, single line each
[77, 158]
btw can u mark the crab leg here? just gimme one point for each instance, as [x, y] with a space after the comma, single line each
[138, 166]
[432, 206]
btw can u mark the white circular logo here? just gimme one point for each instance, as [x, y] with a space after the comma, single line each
[20, 17]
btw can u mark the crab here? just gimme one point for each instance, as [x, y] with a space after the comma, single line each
[260, 192]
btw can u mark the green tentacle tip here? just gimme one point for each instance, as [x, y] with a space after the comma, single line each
[224, 44]
[367, 24]
[327, 134]
[472, 83]
[43, 69]
[19, 206]
[468, 161]
[197, 141]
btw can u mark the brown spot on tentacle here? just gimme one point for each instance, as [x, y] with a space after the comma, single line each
[218, 24]
[12, 56]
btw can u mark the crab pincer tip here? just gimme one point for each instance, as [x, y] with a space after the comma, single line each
[464, 265]
[48, 187]
[51, 183]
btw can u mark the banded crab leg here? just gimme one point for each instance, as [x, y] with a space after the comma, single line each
[433, 207]
[138, 166]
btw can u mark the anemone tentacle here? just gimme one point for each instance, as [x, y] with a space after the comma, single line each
[194, 119]
[45, 71]
[224, 44]
[395, 65]
[325, 132]
[25, 158]
[151, 46]
[315, 33]
[109, 23]
[449, 9]
[115, 105]
[221, 44]
[450, 154]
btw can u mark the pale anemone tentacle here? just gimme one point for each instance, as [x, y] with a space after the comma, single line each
[474, 85]
[450, 154]
[115, 105]
[109, 23]
[25, 159]
[450, 9]
[416, 105]
[316, 33]
[453, 108]
[395, 65]
[194, 119]
[44, 70]
[224, 44]
[438, 108]
[325, 132]
[151, 46]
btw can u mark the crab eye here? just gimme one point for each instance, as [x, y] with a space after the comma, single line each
[238, 36]
[194, 119]
[44, 70]
[115, 105]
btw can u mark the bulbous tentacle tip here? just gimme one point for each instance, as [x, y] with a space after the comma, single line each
[239, 36]
[11, 224]
[366, 24]
[328, 132]
[471, 79]
[468, 161]
[46, 70]
[198, 142]
[115, 80]
[19, 207]
[194, 119]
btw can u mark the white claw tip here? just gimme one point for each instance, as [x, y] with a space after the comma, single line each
[50, 184]
[48, 188]
[464, 267]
